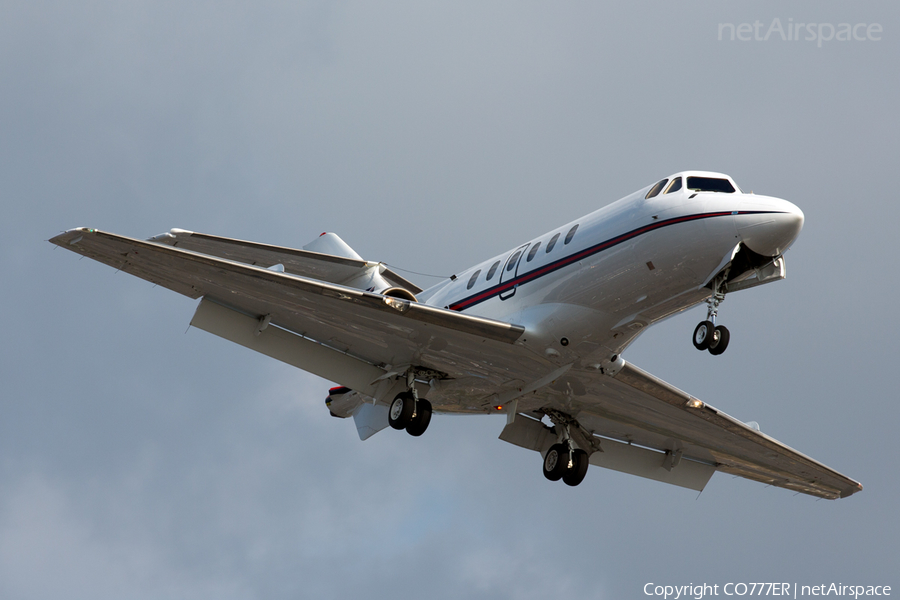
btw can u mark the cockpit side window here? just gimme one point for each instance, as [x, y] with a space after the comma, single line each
[656, 189]
[709, 184]
[674, 186]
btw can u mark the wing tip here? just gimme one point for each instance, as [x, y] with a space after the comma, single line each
[70, 237]
[847, 492]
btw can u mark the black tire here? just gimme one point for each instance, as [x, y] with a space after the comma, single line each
[720, 341]
[419, 423]
[703, 335]
[556, 462]
[401, 410]
[580, 463]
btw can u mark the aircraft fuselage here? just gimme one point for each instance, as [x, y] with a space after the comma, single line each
[595, 283]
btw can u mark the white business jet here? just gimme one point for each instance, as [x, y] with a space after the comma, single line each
[536, 333]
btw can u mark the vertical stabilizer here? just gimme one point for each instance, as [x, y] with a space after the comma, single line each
[331, 243]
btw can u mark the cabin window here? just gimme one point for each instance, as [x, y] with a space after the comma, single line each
[532, 252]
[656, 189]
[674, 186]
[709, 184]
[552, 242]
[570, 235]
[512, 261]
[473, 278]
[492, 270]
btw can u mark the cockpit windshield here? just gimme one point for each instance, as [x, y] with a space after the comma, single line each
[656, 189]
[710, 184]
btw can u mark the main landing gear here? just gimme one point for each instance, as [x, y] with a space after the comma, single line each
[563, 459]
[708, 335]
[408, 411]
[564, 462]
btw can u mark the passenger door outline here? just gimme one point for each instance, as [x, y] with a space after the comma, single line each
[510, 270]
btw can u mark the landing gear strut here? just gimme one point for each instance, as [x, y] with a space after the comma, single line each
[708, 335]
[421, 419]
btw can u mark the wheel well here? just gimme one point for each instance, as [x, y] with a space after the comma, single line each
[744, 261]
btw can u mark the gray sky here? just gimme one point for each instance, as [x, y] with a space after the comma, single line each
[140, 461]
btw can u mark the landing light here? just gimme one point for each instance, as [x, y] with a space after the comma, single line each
[694, 403]
[396, 303]
[499, 407]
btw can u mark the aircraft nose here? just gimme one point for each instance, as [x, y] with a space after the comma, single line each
[768, 226]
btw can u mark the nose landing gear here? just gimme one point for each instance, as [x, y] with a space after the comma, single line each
[708, 335]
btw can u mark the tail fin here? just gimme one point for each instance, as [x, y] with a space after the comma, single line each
[331, 243]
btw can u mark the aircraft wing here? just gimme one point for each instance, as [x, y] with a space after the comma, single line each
[645, 426]
[350, 336]
[739, 448]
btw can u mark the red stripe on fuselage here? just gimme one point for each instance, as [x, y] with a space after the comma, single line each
[565, 261]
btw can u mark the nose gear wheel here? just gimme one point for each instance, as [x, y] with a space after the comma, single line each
[703, 335]
[720, 340]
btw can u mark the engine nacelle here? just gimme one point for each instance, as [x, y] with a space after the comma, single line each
[342, 401]
[399, 292]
